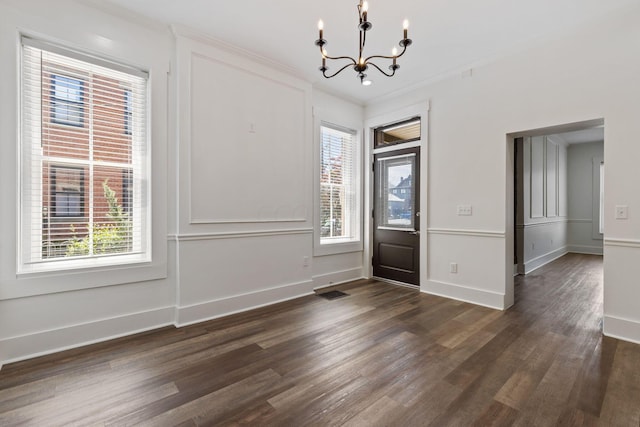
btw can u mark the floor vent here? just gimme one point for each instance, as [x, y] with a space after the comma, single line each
[333, 295]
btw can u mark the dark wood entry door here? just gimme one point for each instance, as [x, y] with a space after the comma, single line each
[396, 217]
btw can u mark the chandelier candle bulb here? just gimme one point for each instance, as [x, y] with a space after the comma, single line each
[405, 27]
[321, 27]
[365, 9]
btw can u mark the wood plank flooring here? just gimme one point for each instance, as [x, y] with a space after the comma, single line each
[382, 356]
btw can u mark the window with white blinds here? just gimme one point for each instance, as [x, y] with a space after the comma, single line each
[84, 161]
[339, 195]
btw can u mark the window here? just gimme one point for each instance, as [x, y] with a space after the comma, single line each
[83, 192]
[67, 192]
[66, 100]
[339, 195]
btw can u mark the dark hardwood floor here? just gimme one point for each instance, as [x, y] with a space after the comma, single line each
[383, 355]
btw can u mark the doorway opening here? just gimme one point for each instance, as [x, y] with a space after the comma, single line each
[396, 202]
[556, 203]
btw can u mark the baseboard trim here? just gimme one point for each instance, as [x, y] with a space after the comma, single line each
[28, 346]
[476, 296]
[581, 249]
[542, 260]
[209, 310]
[337, 277]
[622, 329]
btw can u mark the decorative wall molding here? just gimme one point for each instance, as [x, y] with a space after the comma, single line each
[189, 33]
[464, 232]
[237, 234]
[624, 243]
[476, 296]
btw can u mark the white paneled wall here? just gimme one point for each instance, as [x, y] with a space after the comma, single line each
[541, 224]
[245, 206]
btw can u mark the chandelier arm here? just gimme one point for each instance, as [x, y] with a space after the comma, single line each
[324, 73]
[380, 69]
[342, 57]
[404, 49]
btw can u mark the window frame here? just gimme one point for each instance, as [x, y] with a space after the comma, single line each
[28, 234]
[337, 245]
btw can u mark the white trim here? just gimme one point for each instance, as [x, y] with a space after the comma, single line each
[336, 278]
[200, 37]
[381, 150]
[468, 294]
[200, 312]
[22, 347]
[624, 243]
[244, 221]
[464, 232]
[621, 328]
[236, 234]
[544, 259]
[582, 249]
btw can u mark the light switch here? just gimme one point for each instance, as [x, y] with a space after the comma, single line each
[622, 211]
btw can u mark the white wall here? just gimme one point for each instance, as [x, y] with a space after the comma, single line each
[233, 207]
[583, 76]
[46, 312]
[246, 176]
[584, 201]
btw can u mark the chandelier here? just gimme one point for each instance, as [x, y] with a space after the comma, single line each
[361, 64]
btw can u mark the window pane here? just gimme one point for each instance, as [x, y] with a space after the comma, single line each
[397, 191]
[82, 191]
[338, 189]
[397, 133]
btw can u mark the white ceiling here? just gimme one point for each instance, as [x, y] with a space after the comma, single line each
[448, 35]
[594, 134]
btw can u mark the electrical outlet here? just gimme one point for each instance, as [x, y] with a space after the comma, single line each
[453, 267]
[305, 261]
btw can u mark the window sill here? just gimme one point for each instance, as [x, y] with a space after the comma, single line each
[32, 282]
[83, 264]
[338, 246]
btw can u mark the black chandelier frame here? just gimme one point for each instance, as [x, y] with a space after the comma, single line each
[362, 64]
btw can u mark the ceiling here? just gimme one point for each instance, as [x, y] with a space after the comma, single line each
[449, 36]
[594, 134]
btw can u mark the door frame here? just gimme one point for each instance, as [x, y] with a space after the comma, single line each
[416, 110]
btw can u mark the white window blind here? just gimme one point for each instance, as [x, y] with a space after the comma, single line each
[338, 185]
[84, 161]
